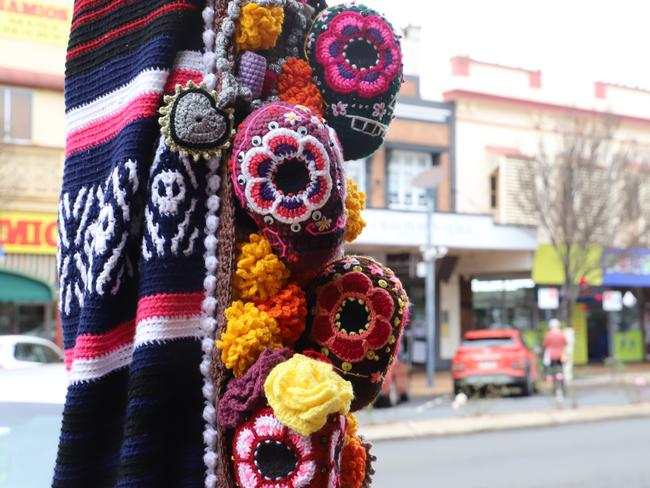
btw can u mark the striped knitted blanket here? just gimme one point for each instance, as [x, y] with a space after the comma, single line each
[132, 225]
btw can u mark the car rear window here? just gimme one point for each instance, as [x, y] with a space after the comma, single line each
[36, 353]
[489, 342]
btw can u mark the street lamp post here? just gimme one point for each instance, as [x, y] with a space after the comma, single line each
[429, 180]
[430, 289]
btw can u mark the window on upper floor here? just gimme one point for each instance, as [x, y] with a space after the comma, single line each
[15, 115]
[494, 189]
[356, 171]
[403, 166]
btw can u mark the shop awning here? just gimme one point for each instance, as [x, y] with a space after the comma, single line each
[18, 288]
[548, 270]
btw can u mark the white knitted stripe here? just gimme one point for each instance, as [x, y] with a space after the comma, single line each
[88, 369]
[159, 329]
[148, 81]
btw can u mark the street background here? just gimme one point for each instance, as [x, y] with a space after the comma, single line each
[536, 118]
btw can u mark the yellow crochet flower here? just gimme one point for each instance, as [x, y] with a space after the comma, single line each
[249, 331]
[355, 202]
[303, 392]
[258, 27]
[260, 274]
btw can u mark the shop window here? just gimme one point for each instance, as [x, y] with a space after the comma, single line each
[356, 171]
[15, 115]
[403, 167]
[494, 189]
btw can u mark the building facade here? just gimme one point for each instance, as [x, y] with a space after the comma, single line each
[33, 37]
[423, 136]
[502, 114]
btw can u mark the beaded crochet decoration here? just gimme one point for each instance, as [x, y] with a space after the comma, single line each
[215, 332]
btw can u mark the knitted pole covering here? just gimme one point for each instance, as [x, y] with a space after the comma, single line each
[132, 225]
[197, 217]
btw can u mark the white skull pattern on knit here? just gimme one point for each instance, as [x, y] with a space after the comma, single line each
[169, 215]
[94, 228]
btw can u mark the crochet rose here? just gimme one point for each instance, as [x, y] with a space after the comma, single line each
[303, 392]
[245, 394]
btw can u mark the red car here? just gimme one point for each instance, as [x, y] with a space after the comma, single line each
[494, 357]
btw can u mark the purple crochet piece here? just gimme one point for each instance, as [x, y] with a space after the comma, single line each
[252, 69]
[246, 393]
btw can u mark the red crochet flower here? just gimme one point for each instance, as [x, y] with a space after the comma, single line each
[353, 317]
[269, 455]
[359, 53]
[287, 174]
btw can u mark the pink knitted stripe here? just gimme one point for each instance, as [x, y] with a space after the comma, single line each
[92, 345]
[143, 106]
[169, 305]
[181, 77]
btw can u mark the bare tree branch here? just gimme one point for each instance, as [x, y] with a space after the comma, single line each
[582, 190]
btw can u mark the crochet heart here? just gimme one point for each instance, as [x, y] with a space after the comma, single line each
[196, 122]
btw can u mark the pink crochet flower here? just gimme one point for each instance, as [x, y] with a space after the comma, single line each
[359, 53]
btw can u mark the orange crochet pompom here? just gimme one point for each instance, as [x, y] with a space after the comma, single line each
[295, 85]
[289, 309]
[353, 463]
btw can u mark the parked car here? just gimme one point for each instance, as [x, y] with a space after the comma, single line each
[494, 357]
[21, 351]
[396, 385]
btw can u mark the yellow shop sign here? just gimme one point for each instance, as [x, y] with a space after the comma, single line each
[28, 233]
[46, 22]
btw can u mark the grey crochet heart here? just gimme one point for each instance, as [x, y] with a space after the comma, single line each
[196, 123]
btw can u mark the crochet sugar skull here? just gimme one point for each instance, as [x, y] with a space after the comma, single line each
[358, 312]
[357, 63]
[287, 174]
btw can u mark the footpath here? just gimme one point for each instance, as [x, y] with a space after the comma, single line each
[603, 393]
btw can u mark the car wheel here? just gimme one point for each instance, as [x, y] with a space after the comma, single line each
[528, 387]
[457, 388]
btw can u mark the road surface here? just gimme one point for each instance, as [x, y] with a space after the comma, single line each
[595, 455]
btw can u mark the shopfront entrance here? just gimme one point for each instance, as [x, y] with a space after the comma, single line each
[26, 305]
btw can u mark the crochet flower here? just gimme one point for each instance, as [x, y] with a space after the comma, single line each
[260, 274]
[353, 463]
[245, 394]
[258, 27]
[359, 53]
[289, 309]
[249, 331]
[303, 392]
[339, 108]
[353, 317]
[295, 85]
[287, 176]
[267, 454]
[355, 202]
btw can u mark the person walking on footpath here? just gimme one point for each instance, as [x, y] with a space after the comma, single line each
[555, 344]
